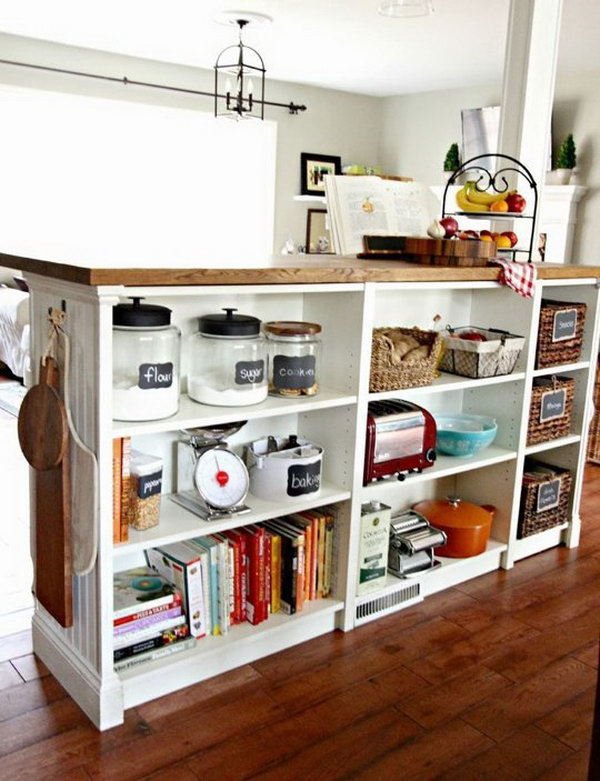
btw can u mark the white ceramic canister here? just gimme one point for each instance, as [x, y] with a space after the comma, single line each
[146, 355]
[285, 475]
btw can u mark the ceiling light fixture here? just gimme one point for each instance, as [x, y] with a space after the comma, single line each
[405, 9]
[240, 75]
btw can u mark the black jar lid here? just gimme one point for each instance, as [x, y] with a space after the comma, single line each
[138, 315]
[229, 324]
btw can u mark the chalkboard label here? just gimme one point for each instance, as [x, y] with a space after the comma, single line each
[294, 372]
[304, 479]
[155, 375]
[249, 372]
[149, 485]
[548, 495]
[553, 405]
[565, 325]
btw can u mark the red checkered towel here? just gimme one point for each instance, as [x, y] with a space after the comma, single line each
[518, 276]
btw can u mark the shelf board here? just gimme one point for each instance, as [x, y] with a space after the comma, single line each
[445, 466]
[192, 414]
[552, 444]
[491, 215]
[449, 382]
[307, 198]
[565, 367]
[177, 523]
[536, 543]
[452, 572]
[211, 655]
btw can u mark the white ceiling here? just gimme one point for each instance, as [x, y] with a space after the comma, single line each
[342, 44]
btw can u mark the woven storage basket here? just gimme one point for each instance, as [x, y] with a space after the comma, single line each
[387, 376]
[593, 453]
[551, 426]
[551, 349]
[496, 356]
[533, 520]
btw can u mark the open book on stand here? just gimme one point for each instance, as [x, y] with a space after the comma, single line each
[369, 206]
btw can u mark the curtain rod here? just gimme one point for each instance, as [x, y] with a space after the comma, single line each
[293, 108]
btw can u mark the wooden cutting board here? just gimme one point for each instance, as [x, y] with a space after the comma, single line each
[430, 252]
[44, 440]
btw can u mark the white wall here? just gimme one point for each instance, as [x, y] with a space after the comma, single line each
[335, 122]
[417, 129]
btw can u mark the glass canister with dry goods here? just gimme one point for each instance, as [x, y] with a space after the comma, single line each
[145, 485]
[294, 357]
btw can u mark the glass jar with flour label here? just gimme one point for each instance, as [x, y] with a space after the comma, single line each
[294, 354]
[228, 361]
[146, 354]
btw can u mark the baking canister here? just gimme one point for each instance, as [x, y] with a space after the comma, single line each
[287, 474]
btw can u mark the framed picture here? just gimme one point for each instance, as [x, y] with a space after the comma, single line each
[313, 169]
[318, 237]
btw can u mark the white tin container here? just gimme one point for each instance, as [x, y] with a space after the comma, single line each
[284, 475]
[373, 547]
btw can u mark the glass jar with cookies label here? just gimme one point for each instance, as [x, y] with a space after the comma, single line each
[294, 356]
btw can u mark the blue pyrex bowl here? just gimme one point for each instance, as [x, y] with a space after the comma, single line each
[459, 434]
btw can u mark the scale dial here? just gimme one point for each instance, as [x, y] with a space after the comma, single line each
[221, 478]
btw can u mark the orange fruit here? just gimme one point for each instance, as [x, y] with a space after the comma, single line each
[503, 242]
[499, 206]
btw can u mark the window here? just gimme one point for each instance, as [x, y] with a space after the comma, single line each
[91, 179]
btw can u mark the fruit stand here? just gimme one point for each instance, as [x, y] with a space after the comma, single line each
[489, 196]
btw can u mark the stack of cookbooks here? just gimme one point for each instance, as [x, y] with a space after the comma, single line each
[249, 573]
[148, 618]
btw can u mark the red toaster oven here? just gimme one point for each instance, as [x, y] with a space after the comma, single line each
[400, 439]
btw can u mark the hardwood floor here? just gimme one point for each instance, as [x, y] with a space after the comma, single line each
[494, 679]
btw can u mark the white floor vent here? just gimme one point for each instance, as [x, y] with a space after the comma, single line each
[388, 603]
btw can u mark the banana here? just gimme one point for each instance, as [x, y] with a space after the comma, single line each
[476, 196]
[465, 205]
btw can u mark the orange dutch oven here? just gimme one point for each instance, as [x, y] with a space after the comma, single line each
[467, 525]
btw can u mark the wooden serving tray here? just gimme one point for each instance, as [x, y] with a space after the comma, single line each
[429, 252]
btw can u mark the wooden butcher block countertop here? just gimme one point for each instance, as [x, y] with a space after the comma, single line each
[281, 270]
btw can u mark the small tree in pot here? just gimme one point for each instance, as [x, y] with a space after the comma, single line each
[566, 160]
[452, 161]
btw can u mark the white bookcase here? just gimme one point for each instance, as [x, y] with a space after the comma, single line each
[81, 657]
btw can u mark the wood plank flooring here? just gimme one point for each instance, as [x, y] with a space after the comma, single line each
[494, 679]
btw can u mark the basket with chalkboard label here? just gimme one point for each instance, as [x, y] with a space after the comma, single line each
[560, 337]
[551, 409]
[545, 496]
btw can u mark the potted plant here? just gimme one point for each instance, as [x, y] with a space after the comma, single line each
[566, 160]
[452, 161]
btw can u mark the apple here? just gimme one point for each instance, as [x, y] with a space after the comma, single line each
[468, 235]
[511, 236]
[472, 336]
[516, 203]
[450, 225]
[486, 233]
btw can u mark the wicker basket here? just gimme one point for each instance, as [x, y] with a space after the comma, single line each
[552, 348]
[533, 518]
[546, 422]
[385, 375]
[496, 356]
[593, 452]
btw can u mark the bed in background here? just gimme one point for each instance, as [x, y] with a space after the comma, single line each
[14, 330]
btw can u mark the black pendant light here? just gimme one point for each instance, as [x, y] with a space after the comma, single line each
[240, 81]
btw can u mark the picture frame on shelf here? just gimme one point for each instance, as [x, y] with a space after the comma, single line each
[318, 236]
[313, 169]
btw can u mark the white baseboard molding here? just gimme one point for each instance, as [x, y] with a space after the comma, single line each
[103, 704]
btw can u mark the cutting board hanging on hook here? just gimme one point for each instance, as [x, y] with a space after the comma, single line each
[44, 439]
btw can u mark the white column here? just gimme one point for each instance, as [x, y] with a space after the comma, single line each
[528, 83]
